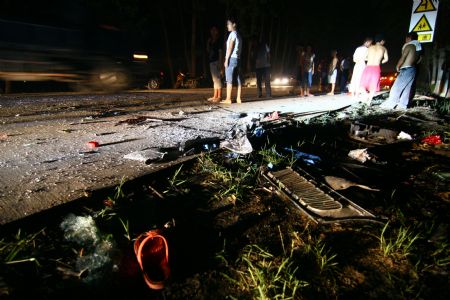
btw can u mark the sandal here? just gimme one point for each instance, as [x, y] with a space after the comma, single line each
[152, 253]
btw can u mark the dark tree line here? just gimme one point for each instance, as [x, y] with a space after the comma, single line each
[175, 31]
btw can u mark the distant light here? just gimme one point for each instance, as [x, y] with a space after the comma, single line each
[391, 78]
[284, 81]
[277, 80]
[140, 56]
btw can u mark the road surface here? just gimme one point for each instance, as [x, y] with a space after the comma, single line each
[45, 160]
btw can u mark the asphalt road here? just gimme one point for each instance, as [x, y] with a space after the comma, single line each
[45, 160]
[43, 106]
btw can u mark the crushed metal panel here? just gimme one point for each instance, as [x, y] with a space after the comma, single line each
[317, 200]
[372, 134]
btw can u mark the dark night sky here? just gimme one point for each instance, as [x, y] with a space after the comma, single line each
[326, 25]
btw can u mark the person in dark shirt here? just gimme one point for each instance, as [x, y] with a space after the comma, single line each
[262, 67]
[214, 50]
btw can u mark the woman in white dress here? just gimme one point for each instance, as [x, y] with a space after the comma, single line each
[359, 57]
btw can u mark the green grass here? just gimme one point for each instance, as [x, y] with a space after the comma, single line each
[19, 248]
[217, 172]
[176, 184]
[271, 156]
[400, 244]
[323, 257]
[231, 184]
[126, 228]
[265, 276]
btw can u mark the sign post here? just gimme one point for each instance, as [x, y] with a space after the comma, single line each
[423, 19]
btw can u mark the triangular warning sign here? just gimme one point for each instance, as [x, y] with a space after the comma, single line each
[422, 25]
[425, 5]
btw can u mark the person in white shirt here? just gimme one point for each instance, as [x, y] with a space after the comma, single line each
[359, 58]
[232, 57]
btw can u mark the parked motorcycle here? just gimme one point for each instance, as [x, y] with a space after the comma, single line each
[184, 80]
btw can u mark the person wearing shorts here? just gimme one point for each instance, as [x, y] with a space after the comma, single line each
[370, 79]
[232, 56]
[332, 71]
[214, 50]
[376, 55]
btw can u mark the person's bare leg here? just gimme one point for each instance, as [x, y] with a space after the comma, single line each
[229, 88]
[214, 97]
[301, 92]
[238, 97]
[219, 93]
[332, 89]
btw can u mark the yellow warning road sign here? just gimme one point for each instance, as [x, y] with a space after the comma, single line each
[423, 19]
[425, 5]
[422, 25]
[425, 37]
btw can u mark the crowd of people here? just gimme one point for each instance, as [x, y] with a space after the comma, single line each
[361, 81]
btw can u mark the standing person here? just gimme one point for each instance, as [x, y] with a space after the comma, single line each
[399, 95]
[376, 55]
[232, 56]
[332, 71]
[359, 58]
[308, 70]
[262, 67]
[215, 56]
[345, 71]
[322, 70]
[300, 73]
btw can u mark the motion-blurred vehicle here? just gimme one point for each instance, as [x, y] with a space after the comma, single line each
[387, 80]
[280, 80]
[97, 58]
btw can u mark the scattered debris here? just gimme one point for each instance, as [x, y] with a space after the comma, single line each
[68, 130]
[432, 140]
[147, 156]
[96, 258]
[83, 153]
[338, 183]
[237, 140]
[318, 201]
[258, 131]
[104, 133]
[119, 142]
[133, 121]
[240, 145]
[93, 144]
[3, 136]
[404, 136]
[372, 134]
[271, 117]
[309, 159]
[360, 155]
[200, 144]
[152, 254]
[80, 230]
